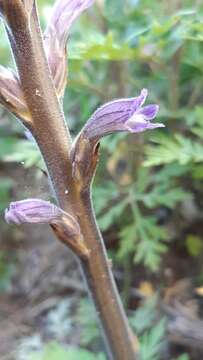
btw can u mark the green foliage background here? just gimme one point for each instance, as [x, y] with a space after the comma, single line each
[116, 49]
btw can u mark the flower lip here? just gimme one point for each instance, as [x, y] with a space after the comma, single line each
[140, 120]
[149, 111]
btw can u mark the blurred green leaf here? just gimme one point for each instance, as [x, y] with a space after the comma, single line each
[152, 342]
[7, 270]
[25, 152]
[175, 149]
[194, 245]
[5, 187]
[87, 319]
[57, 352]
[150, 329]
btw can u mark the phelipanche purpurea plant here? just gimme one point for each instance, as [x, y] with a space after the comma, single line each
[34, 94]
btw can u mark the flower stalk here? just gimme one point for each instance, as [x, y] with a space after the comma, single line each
[41, 69]
[40, 95]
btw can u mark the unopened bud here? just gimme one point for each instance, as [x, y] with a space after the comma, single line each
[37, 211]
[65, 12]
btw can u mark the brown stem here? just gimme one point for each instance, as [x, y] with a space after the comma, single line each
[49, 125]
[98, 274]
[54, 142]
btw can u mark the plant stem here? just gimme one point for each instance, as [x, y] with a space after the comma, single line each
[54, 142]
[97, 269]
[49, 127]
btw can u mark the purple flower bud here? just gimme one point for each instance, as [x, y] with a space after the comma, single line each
[11, 94]
[33, 211]
[65, 12]
[121, 115]
[41, 212]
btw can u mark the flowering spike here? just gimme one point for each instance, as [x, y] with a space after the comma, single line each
[121, 115]
[11, 95]
[65, 12]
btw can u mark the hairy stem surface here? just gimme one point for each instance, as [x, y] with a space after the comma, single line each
[54, 142]
[98, 273]
[48, 127]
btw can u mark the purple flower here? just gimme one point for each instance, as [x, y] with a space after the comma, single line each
[65, 12]
[41, 212]
[32, 211]
[121, 115]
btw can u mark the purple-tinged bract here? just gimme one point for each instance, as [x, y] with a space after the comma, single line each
[11, 93]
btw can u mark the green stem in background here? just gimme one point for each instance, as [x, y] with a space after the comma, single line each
[127, 280]
[52, 136]
[173, 76]
[134, 208]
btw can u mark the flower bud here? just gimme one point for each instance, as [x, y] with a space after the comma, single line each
[65, 12]
[37, 211]
[32, 211]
